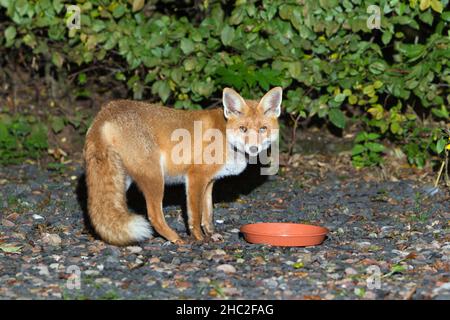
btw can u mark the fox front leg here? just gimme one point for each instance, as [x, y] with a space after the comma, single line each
[195, 190]
[207, 214]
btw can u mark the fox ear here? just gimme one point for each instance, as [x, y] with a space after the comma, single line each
[233, 103]
[271, 102]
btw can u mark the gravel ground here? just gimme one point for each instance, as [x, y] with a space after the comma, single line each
[387, 234]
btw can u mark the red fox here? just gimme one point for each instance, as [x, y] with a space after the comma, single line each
[133, 141]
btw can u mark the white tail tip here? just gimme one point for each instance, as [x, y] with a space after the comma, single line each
[139, 228]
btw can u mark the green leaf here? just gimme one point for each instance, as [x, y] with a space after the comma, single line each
[378, 84]
[58, 5]
[57, 124]
[440, 145]
[10, 248]
[339, 97]
[187, 46]
[120, 76]
[424, 4]
[441, 113]
[396, 128]
[375, 147]
[162, 88]
[82, 78]
[373, 136]
[436, 5]
[353, 99]
[377, 67]
[369, 90]
[386, 37]
[337, 117]
[361, 136]
[358, 149]
[427, 17]
[10, 33]
[119, 11]
[446, 16]
[411, 50]
[397, 269]
[360, 292]
[57, 59]
[227, 35]
[21, 6]
[30, 40]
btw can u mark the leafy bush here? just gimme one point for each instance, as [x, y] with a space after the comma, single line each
[391, 83]
[20, 138]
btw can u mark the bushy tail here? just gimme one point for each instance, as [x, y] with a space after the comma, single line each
[105, 177]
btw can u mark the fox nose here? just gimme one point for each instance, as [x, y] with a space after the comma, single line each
[253, 149]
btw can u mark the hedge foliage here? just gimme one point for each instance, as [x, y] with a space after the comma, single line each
[392, 83]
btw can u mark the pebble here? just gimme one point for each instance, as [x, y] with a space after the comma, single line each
[350, 271]
[8, 223]
[92, 272]
[112, 259]
[363, 245]
[270, 283]
[204, 280]
[51, 239]
[370, 295]
[54, 266]
[154, 260]
[43, 270]
[443, 287]
[227, 268]
[220, 252]
[134, 249]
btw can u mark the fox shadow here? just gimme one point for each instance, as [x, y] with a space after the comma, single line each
[227, 189]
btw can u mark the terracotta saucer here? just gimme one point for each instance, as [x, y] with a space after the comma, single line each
[284, 234]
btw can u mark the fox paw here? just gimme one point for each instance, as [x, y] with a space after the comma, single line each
[176, 241]
[179, 242]
[208, 228]
[197, 234]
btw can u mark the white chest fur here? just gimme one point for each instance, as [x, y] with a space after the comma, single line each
[234, 165]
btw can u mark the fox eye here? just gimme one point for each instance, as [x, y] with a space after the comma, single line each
[263, 129]
[243, 129]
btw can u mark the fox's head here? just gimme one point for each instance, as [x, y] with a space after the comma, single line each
[251, 125]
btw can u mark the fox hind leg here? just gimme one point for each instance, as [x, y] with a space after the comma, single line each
[152, 186]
